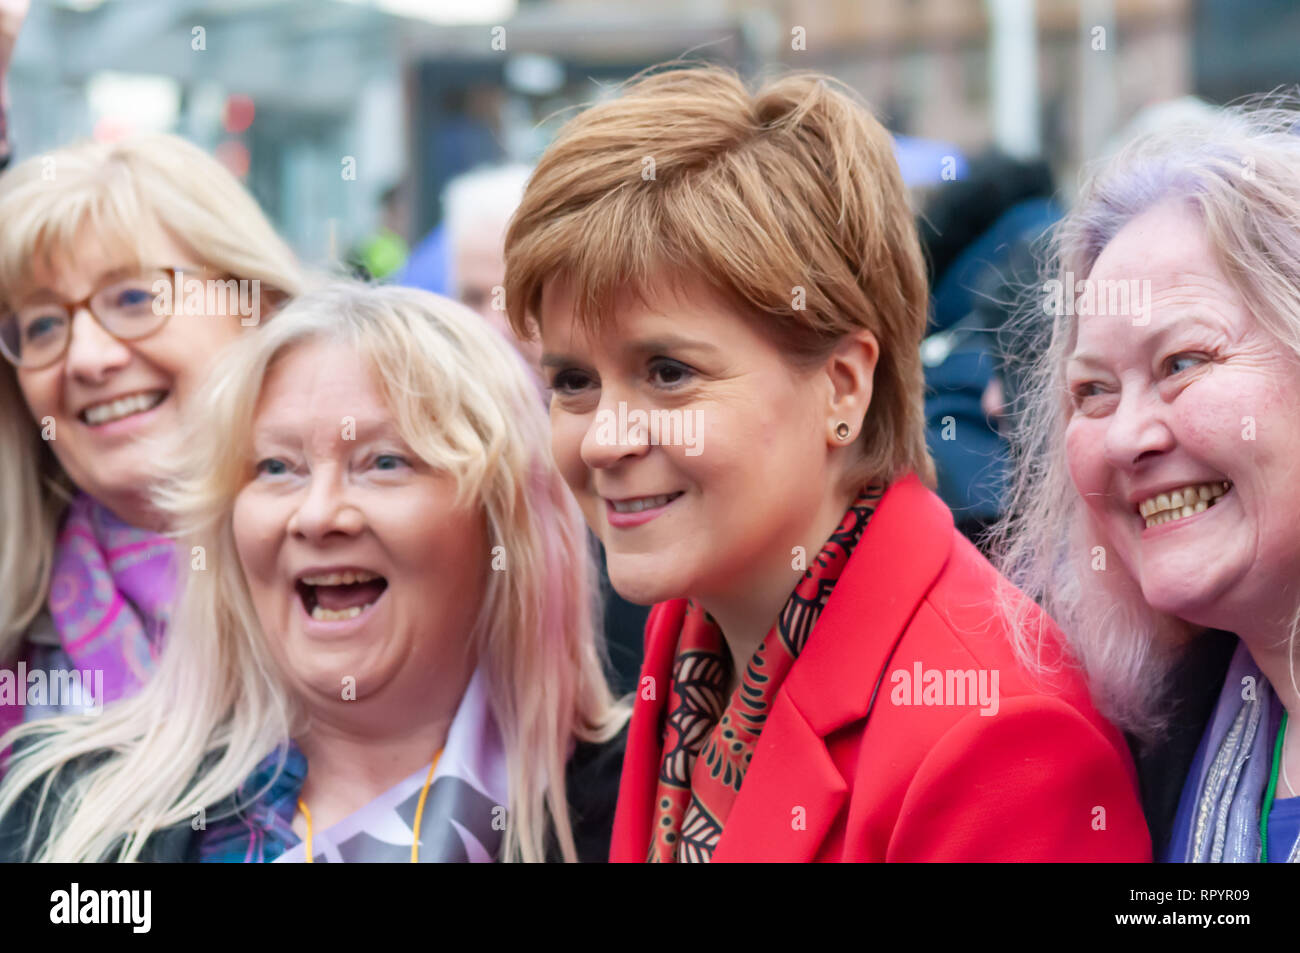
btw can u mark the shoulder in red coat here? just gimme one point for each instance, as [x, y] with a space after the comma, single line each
[907, 730]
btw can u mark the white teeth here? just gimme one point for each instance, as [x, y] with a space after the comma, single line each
[334, 615]
[1180, 504]
[345, 578]
[645, 503]
[122, 407]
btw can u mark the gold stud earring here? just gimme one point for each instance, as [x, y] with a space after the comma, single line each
[842, 430]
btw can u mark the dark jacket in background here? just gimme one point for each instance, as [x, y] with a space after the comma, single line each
[624, 636]
[977, 233]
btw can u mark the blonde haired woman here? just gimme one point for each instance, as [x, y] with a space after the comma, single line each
[396, 579]
[1156, 500]
[100, 358]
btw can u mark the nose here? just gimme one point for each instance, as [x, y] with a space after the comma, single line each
[1137, 430]
[617, 433]
[93, 355]
[325, 510]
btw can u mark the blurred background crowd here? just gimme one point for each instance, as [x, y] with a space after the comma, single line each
[418, 91]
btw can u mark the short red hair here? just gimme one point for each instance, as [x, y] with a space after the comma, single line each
[787, 201]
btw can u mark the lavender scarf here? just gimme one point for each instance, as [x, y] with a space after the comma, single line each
[1222, 802]
[110, 595]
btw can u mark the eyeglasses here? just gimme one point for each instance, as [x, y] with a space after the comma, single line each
[37, 335]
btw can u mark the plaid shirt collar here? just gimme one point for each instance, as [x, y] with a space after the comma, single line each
[257, 825]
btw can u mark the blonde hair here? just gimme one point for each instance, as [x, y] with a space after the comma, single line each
[1239, 171]
[759, 195]
[465, 404]
[117, 191]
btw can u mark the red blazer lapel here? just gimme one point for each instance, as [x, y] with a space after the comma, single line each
[634, 814]
[792, 777]
[790, 798]
[901, 554]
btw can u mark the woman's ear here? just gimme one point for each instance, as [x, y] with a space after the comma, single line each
[850, 370]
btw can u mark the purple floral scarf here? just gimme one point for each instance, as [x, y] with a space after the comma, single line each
[110, 595]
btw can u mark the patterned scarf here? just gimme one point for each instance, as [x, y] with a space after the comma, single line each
[110, 595]
[694, 794]
[1220, 807]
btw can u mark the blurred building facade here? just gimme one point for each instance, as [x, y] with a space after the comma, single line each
[325, 105]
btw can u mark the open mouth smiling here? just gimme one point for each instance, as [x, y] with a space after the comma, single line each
[106, 412]
[337, 595]
[1181, 503]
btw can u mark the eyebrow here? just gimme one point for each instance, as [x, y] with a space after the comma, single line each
[366, 431]
[654, 345]
[1154, 341]
[49, 294]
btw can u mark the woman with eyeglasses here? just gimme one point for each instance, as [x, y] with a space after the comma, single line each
[124, 269]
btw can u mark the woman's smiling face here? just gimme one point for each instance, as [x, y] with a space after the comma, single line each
[133, 389]
[1194, 394]
[719, 501]
[359, 561]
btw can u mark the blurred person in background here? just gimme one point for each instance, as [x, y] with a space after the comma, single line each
[1157, 489]
[462, 257]
[391, 655]
[478, 206]
[751, 260]
[979, 233]
[12, 14]
[100, 361]
[384, 253]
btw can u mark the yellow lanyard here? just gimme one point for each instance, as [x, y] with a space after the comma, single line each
[419, 815]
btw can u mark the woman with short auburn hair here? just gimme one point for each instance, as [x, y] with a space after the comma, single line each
[731, 297]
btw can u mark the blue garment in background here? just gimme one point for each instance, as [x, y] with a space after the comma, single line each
[429, 264]
[971, 458]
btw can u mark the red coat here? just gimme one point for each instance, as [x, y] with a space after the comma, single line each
[837, 776]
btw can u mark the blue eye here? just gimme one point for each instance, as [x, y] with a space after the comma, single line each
[130, 301]
[42, 326]
[272, 467]
[389, 461]
[1175, 364]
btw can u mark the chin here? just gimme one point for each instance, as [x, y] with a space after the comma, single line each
[1175, 599]
[642, 585]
